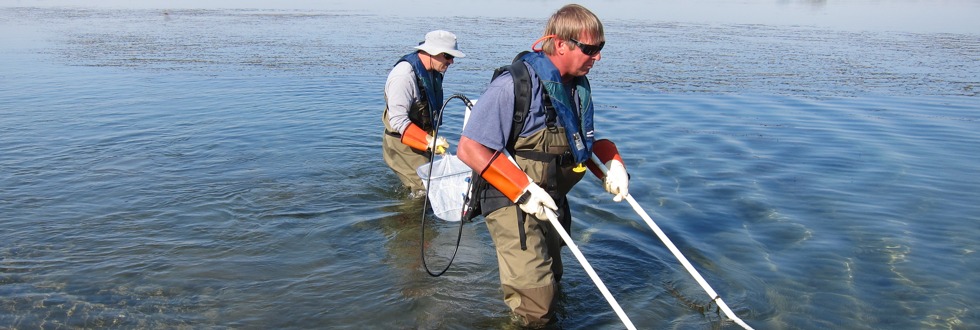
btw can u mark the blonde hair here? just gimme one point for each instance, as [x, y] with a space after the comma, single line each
[568, 23]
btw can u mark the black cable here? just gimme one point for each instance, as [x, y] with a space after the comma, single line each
[437, 121]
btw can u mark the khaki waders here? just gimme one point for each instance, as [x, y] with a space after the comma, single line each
[529, 278]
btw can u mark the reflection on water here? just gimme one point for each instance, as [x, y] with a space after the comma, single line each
[221, 168]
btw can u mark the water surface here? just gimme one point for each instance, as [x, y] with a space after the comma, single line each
[221, 168]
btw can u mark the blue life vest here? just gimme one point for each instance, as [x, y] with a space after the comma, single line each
[577, 120]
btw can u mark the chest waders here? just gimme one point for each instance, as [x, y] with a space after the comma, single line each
[546, 157]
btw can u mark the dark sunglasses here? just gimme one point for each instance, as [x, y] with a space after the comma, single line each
[447, 56]
[588, 49]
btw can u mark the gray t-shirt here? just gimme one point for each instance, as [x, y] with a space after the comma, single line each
[401, 92]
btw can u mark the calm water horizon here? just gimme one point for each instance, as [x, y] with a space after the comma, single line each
[221, 168]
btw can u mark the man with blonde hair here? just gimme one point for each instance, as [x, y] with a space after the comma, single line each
[556, 140]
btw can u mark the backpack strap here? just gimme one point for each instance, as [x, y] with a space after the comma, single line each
[522, 101]
[522, 96]
[522, 106]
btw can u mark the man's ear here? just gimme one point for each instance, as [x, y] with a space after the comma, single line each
[560, 48]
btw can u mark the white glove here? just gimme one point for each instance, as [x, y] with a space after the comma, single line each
[617, 181]
[537, 201]
[439, 146]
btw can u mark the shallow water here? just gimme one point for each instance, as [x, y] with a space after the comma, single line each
[221, 168]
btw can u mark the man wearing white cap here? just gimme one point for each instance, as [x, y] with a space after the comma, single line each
[413, 98]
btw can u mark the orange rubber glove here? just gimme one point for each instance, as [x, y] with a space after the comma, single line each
[416, 138]
[518, 187]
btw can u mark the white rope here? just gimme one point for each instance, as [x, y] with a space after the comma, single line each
[677, 253]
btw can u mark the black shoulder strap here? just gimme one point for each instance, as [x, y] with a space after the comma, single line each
[522, 106]
[522, 96]
[522, 101]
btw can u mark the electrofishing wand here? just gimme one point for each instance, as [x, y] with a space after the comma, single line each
[677, 253]
[588, 269]
[553, 219]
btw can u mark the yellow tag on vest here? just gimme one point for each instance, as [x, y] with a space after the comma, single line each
[579, 168]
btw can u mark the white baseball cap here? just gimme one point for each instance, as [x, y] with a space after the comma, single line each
[440, 41]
